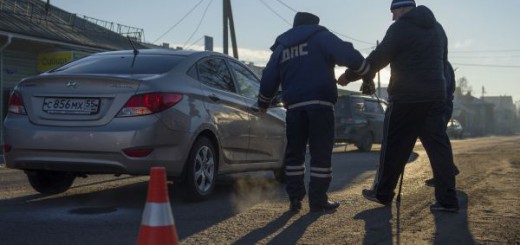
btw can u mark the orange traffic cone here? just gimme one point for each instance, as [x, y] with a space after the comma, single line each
[157, 226]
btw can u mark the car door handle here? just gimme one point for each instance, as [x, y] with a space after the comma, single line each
[214, 97]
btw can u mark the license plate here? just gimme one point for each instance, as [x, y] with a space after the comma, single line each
[81, 106]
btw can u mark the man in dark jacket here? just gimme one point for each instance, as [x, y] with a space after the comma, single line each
[303, 62]
[427, 136]
[415, 46]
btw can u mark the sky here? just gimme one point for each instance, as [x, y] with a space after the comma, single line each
[483, 35]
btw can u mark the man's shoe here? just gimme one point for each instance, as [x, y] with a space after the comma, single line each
[371, 195]
[438, 207]
[296, 205]
[430, 182]
[327, 206]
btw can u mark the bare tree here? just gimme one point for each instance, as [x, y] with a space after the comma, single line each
[464, 86]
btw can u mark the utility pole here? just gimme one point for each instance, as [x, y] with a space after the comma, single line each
[229, 23]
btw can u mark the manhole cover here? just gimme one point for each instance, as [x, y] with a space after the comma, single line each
[93, 210]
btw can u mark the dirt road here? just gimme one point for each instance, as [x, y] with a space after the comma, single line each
[488, 188]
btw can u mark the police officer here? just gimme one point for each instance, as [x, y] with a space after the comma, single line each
[303, 62]
[415, 46]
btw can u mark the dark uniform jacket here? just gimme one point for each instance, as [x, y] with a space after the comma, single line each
[416, 48]
[303, 62]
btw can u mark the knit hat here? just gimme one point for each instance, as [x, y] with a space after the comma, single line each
[303, 18]
[402, 3]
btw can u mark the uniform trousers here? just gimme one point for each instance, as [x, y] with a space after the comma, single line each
[314, 127]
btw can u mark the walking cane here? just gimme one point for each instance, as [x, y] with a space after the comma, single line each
[398, 206]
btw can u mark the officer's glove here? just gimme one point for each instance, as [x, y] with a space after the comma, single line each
[368, 87]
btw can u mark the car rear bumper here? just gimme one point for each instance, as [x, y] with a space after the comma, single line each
[95, 150]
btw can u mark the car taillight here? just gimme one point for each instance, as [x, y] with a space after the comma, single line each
[145, 104]
[346, 120]
[16, 104]
[138, 152]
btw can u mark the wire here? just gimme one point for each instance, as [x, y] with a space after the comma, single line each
[483, 65]
[276, 13]
[200, 22]
[184, 17]
[345, 36]
[288, 23]
[486, 51]
[193, 43]
[289, 7]
[486, 56]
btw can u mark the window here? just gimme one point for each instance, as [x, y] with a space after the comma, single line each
[373, 107]
[248, 84]
[121, 64]
[214, 73]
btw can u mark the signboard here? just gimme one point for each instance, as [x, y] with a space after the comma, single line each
[48, 61]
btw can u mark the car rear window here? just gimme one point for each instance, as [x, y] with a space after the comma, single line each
[120, 64]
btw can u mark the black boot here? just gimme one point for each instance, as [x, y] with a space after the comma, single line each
[296, 205]
[326, 206]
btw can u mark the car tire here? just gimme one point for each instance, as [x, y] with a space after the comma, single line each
[50, 182]
[366, 143]
[201, 170]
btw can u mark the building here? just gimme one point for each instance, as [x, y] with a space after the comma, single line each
[506, 118]
[36, 37]
[475, 115]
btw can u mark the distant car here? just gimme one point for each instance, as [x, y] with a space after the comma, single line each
[123, 112]
[454, 129]
[359, 120]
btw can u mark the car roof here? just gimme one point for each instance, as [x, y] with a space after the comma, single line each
[163, 52]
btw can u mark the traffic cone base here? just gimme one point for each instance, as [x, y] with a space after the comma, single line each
[157, 235]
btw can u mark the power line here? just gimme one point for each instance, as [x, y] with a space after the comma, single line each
[486, 56]
[200, 22]
[483, 65]
[193, 43]
[276, 13]
[345, 36]
[184, 17]
[486, 51]
[289, 7]
[288, 23]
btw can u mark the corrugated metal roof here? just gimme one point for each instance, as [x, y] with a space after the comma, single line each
[30, 18]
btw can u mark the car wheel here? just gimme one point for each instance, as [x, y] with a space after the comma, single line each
[50, 182]
[366, 143]
[201, 170]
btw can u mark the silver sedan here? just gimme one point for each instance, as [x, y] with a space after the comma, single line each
[123, 112]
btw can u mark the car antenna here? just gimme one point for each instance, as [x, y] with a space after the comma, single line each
[136, 52]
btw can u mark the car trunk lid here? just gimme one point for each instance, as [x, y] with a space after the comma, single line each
[76, 100]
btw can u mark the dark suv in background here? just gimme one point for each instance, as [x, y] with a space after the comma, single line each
[359, 120]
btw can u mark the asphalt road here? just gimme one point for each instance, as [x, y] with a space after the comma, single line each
[251, 209]
[107, 210]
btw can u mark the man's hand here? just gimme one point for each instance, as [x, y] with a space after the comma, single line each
[368, 87]
[347, 77]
